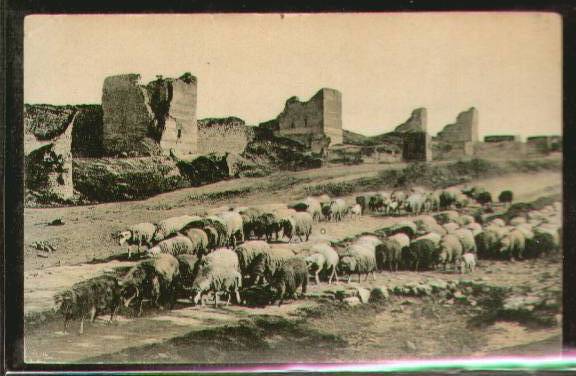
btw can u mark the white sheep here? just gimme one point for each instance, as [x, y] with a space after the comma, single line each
[248, 254]
[139, 234]
[300, 224]
[331, 258]
[175, 246]
[468, 263]
[171, 226]
[355, 210]
[476, 228]
[218, 272]
[199, 240]
[434, 237]
[234, 225]
[402, 239]
[316, 263]
[451, 227]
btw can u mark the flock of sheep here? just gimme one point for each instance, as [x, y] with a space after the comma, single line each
[224, 254]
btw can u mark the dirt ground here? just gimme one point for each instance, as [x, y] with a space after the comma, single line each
[403, 328]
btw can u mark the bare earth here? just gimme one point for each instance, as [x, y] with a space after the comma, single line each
[434, 329]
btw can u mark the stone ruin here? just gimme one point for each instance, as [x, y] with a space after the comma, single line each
[219, 135]
[417, 122]
[151, 119]
[458, 139]
[316, 124]
[543, 144]
[503, 138]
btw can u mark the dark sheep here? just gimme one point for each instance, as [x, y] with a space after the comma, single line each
[89, 298]
[506, 197]
[422, 253]
[389, 252]
[291, 275]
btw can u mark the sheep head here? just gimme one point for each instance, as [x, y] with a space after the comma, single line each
[123, 236]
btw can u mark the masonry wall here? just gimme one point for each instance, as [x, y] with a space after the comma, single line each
[223, 135]
[417, 146]
[332, 106]
[499, 150]
[465, 129]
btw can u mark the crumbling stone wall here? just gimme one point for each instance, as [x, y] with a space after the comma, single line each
[311, 122]
[417, 147]
[499, 150]
[417, 122]
[48, 162]
[223, 135]
[465, 128]
[543, 144]
[147, 120]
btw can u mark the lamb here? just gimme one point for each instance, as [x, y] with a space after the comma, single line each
[331, 259]
[218, 272]
[450, 250]
[316, 263]
[467, 239]
[468, 263]
[288, 278]
[139, 234]
[300, 224]
[199, 239]
[234, 227]
[359, 259]
[355, 210]
[88, 298]
[153, 280]
[248, 257]
[389, 252]
[175, 246]
[171, 226]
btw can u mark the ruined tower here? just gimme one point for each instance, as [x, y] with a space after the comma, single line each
[149, 119]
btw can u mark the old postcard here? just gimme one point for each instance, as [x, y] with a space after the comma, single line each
[246, 188]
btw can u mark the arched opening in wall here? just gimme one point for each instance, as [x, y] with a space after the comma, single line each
[179, 134]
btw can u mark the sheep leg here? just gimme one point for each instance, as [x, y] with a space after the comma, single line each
[65, 325]
[92, 314]
[229, 296]
[349, 277]
[317, 277]
[81, 326]
[238, 301]
[114, 310]
[140, 309]
[215, 299]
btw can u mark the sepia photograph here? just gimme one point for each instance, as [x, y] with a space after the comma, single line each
[292, 188]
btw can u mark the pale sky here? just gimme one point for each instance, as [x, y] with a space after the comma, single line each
[507, 65]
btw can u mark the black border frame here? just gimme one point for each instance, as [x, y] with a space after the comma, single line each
[13, 13]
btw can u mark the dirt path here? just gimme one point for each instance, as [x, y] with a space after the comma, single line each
[86, 236]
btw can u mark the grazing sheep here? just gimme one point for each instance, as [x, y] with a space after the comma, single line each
[88, 298]
[431, 236]
[139, 234]
[368, 240]
[432, 202]
[359, 259]
[331, 259]
[300, 224]
[218, 272]
[212, 235]
[488, 243]
[476, 228]
[447, 216]
[376, 202]
[311, 206]
[399, 197]
[363, 201]
[175, 246]
[171, 226]
[498, 222]
[335, 210]
[199, 240]
[425, 220]
[389, 252]
[512, 245]
[517, 221]
[467, 239]
[234, 227]
[323, 198]
[316, 263]
[506, 197]
[250, 218]
[415, 203]
[273, 259]
[450, 227]
[219, 225]
[465, 220]
[526, 230]
[355, 210]
[447, 198]
[152, 280]
[288, 278]
[421, 253]
[188, 265]
[248, 259]
[402, 239]
[450, 251]
[405, 227]
[468, 263]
